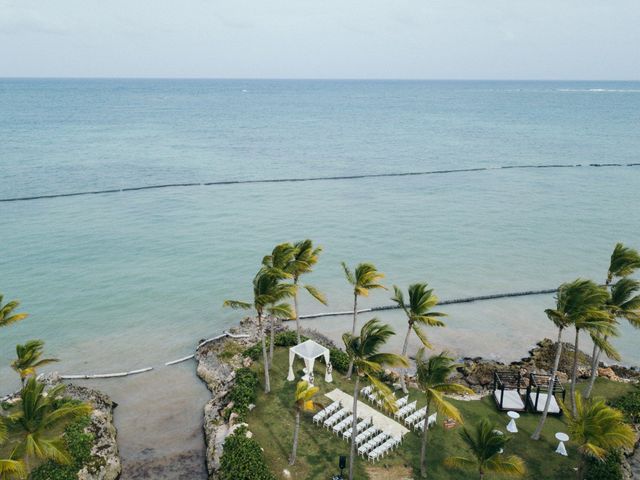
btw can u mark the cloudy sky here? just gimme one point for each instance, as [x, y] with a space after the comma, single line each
[467, 39]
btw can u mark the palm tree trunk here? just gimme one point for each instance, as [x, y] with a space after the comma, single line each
[354, 424]
[403, 371]
[295, 306]
[292, 460]
[554, 372]
[580, 469]
[353, 330]
[595, 361]
[272, 339]
[574, 373]
[265, 359]
[423, 449]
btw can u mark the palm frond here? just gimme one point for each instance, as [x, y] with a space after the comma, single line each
[315, 293]
[237, 305]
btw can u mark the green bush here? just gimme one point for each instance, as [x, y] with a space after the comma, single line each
[629, 404]
[243, 392]
[254, 352]
[78, 444]
[288, 338]
[608, 469]
[339, 360]
[242, 459]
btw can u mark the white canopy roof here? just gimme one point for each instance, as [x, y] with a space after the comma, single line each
[309, 349]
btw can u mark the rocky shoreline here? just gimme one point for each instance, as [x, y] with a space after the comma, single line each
[217, 362]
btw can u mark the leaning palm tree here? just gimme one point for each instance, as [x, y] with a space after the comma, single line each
[364, 353]
[597, 429]
[624, 303]
[599, 324]
[28, 359]
[364, 278]
[418, 312]
[305, 256]
[486, 445]
[40, 419]
[7, 314]
[297, 260]
[268, 293]
[304, 402]
[574, 301]
[277, 263]
[624, 261]
[432, 375]
[9, 467]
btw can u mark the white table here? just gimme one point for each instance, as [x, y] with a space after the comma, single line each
[512, 427]
[562, 437]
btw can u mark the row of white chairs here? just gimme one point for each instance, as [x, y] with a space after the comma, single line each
[360, 426]
[383, 449]
[367, 434]
[406, 410]
[335, 418]
[326, 412]
[415, 417]
[430, 421]
[372, 443]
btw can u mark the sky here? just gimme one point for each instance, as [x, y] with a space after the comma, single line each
[403, 39]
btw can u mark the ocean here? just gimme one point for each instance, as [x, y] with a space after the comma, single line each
[132, 279]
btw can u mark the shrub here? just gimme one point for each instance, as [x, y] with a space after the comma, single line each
[242, 459]
[243, 392]
[339, 360]
[254, 352]
[288, 338]
[629, 404]
[608, 469]
[78, 444]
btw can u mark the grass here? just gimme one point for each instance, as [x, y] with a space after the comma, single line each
[272, 424]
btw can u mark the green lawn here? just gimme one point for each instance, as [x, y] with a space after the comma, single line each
[318, 451]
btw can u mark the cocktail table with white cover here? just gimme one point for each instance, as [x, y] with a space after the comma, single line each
[512, 427]
[562, 437]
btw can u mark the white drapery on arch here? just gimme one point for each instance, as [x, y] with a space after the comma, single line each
[309, 351]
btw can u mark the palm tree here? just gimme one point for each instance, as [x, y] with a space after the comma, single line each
[277, 263]
[297, 260]
[432, 375]
[624, 261]
[303, 403]
[597, 429]
[9, 468]
[364, 278]
[574, 301]
[367, 360]
[305, 256]
[28, 359]
[40, 419]
[418, 311]
[7, 315]
[599, 324]
[268, 293]
[486, 445]
[624, 303]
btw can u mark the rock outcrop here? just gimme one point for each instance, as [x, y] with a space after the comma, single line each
[217, 363]
[105, 464]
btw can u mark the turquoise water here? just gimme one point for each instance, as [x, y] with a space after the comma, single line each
[128, 280]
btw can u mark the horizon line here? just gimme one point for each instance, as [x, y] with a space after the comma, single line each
[329, 79]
